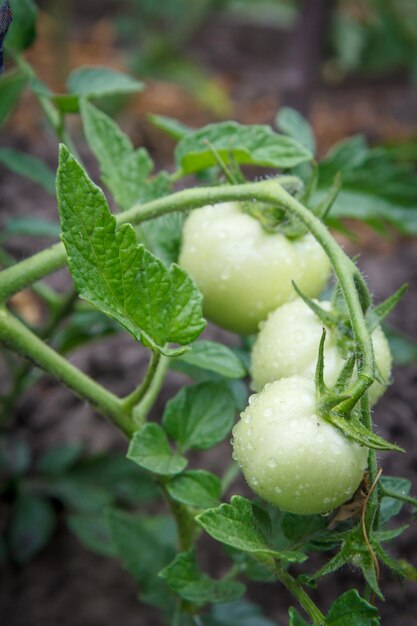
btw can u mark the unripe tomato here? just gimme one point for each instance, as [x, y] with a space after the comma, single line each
[292, 457]
[288, 344]
[244, 272]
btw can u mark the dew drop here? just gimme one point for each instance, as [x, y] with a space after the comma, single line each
[271, 463]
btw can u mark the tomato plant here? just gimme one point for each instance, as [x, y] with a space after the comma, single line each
[306, 442]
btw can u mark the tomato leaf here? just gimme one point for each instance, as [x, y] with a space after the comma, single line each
[350, 609]
[22, 31]
[112, 271]
[375, 189]
[215, 357]
[145, 545]
[59, 459]
[251, 145]
[237, 525]
[12, 85]
[186, 580]
[150, 449]
[93, 531]
[173, 128]
[200, 416]
[239, 613]
[293, 124]
[30, 167]
[196, 488]
[123, 169]
[32, 524]
[98, 82]
[391, 506]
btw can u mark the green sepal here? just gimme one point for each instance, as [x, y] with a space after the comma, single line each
[376, 315]
[353, 429]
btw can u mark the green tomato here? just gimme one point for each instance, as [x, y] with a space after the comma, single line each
[288, 344]
[292, 457]
[244, 272]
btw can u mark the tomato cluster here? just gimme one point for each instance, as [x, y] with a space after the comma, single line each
[288, 453]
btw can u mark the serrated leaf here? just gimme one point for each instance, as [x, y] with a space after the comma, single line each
[99, 81]
[215, 357]
[150, 449]
[123, 169]
[237, 525]
[355, 430]
[196, 488]
[59, 459]
[112, 271]
[173, 128]
[199, 416]
[93, 531]
[251, 145]
[32, 524]
[12, 85]
[22, 30]
[184, 577]
[29, 167]
[292, 123]
[350, 609]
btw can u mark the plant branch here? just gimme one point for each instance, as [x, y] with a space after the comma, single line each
[22, 340]
[141, 410]
[298, 592]
[136, 396]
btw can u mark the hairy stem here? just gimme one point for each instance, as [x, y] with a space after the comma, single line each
[298, 592]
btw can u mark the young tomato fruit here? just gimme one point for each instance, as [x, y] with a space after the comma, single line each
[244, 272]
[288, 344]
[290, 456]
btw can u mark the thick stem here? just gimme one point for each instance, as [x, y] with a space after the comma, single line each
[22, 374]
[298, 592]
[22, 340]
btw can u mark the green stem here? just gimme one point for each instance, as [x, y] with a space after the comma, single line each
[22, 340]
[141, 410]
[398, 496]
[298, 592]
[23, 372]
[230, 475]
[15, 278]
[136, 396]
